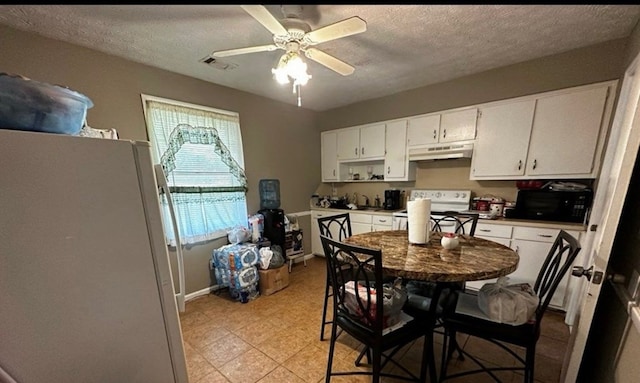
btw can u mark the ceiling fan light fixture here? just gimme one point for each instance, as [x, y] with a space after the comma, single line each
[291, 67]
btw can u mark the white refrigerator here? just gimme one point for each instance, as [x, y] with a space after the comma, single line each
[86, 293]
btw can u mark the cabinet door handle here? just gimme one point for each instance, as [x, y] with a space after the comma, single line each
[435, 134]
[382, 220]
[486, 230]
[444, 134]
[545, 235]
[535, 163]
[362, 151]
[388, 169]
[518, 249]
[356, 150]
[334, 172]
[519, 164]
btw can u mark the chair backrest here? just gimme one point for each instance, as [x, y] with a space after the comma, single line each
[465, 223]
[336, 226]
[559, 259]
[354, 273]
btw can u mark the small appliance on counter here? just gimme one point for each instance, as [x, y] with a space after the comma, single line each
[391, 199]
[562, 203]
[488, 207]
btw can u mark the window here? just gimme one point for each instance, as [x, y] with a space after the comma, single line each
[200, 150]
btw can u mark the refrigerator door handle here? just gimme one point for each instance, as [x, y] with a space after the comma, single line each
[164, 187]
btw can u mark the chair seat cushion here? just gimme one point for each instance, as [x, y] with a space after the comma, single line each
[409, 331]
[470, 319]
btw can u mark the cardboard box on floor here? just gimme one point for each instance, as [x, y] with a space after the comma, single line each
[273, 280]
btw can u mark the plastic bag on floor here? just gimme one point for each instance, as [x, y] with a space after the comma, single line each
[512, 304]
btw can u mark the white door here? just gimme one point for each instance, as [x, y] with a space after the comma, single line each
[565, 132]
[395, 160]
[423, 130]
[502, 139]
[621, 154]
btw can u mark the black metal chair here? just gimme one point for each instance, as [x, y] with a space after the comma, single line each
[355, 274]
[335, 227]
[420, 293]
[558, 261]
[463, 223]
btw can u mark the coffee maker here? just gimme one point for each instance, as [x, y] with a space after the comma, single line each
[392, 199]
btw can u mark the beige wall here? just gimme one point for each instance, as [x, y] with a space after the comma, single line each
[114, 85]
[592, 64]
[268, 127]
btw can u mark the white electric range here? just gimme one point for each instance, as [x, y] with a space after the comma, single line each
[441, 200]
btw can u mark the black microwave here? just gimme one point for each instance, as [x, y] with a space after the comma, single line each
[553, 205]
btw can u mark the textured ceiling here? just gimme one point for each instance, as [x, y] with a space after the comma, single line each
[404, 47]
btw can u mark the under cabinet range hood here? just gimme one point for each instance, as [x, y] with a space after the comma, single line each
[450, 150]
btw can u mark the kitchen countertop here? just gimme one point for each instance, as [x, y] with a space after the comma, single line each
[498, 221]
[360, 211]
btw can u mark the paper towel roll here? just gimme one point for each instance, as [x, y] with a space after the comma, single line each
[419, 215]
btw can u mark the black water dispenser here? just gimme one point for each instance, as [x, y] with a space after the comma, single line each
[274, 229]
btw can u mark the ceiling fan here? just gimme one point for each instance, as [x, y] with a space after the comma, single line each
[294, 35]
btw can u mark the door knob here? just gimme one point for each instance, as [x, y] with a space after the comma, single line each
[579, 271]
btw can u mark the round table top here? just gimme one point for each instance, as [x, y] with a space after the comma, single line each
[474, 259]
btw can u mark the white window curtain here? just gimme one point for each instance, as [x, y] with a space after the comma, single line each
[201, 153]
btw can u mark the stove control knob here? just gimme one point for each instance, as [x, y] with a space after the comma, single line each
[464, 195]
[438, 195]
[457, 195]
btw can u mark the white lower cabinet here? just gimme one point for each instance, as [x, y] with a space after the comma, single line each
[316, 244]
[360, 223]
[496, 233]
[532, 245]
[382, 223]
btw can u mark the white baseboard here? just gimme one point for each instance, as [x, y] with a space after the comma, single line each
[199, 293]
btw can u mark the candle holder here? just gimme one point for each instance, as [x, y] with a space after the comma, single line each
[449, 241]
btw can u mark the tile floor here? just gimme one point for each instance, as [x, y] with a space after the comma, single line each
[275, 339]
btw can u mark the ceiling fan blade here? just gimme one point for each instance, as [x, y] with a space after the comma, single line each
[241, 51]
[347, 27]
[265, 18]
[329, 61]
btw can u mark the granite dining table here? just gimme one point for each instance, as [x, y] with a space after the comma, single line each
[474, 259]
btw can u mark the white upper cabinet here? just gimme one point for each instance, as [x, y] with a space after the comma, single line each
[423, 130]
[554, 135]
[565, 133]
[366, 142]
[396, 166]
[372, 141]
[502, 139]
[349, 144]
[458, 125]
[329, 153]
